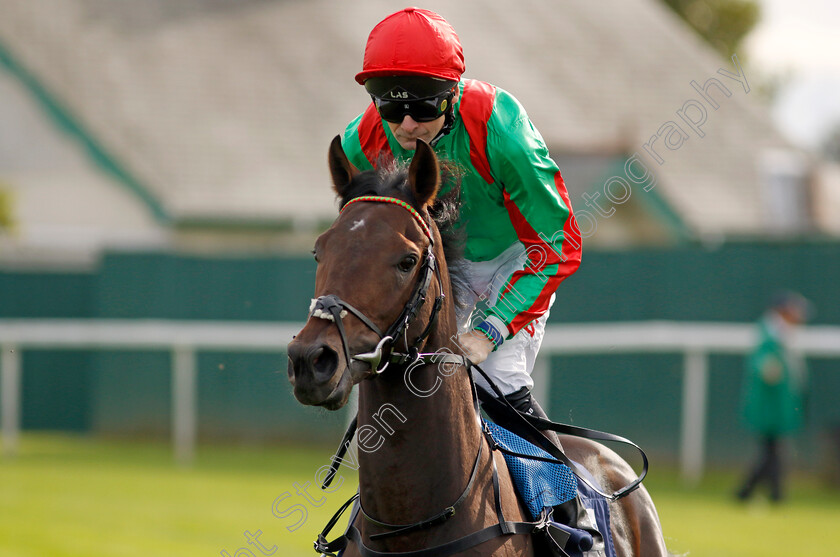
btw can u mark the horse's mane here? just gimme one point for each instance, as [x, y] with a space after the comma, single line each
[392, 180]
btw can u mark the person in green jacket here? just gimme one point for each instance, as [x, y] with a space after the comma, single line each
[774, 391]
[521, 238]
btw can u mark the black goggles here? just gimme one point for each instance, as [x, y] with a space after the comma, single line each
[420, 110]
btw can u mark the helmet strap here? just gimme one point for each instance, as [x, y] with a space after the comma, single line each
[449, 119]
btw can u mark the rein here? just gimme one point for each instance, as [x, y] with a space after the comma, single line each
[333, 308]
[502, 527]
[525, 426]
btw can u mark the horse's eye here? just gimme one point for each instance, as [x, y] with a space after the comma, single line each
[408, 262]
[315, 255]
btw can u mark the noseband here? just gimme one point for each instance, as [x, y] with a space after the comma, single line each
[333, 308]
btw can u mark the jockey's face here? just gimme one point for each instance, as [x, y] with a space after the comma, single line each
[792, 314]
[409, 130]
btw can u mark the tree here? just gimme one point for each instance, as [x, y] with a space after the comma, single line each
[6, 220]
[722, 23]
[831, 144]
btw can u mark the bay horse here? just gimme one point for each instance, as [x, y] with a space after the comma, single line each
[427, 476]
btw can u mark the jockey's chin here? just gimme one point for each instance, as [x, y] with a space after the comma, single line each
[409, 131]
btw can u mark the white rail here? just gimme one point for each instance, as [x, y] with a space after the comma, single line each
[184, 338]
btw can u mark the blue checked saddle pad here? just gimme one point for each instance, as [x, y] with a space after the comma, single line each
[539, 484]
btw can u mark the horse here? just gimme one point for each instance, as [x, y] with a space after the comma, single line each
[427, 477]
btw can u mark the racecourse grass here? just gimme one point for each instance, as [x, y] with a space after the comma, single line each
[66, 496]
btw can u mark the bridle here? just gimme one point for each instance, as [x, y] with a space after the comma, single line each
[333, 308]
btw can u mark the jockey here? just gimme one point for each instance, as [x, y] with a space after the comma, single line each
[521, 238]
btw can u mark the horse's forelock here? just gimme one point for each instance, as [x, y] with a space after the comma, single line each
[391, 181]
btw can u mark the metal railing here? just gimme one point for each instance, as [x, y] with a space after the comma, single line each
[184, 338]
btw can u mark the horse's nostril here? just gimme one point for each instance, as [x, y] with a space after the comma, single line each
[324, 362]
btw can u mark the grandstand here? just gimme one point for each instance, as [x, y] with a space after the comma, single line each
[204, 123]
[135, 134]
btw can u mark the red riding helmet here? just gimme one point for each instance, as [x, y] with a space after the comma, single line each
[413, 42]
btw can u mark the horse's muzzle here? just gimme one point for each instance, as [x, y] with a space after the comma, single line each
[312, 372]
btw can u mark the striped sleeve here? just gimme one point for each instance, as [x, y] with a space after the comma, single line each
[538, 205]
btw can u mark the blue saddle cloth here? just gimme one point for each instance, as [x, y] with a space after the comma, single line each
[546, 484]
[539, 484]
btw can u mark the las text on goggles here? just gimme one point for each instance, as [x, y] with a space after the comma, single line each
[421, 110]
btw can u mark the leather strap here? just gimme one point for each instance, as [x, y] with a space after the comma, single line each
[529, 427]
[342, 448]
[524, 425]
[440, 518]
[450, 548]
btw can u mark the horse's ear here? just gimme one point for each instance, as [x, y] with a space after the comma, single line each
[340, 168]
[424, 174]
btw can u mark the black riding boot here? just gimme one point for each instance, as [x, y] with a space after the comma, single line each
[567, 513]
[523, 401]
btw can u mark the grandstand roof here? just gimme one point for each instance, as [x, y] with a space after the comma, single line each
[222, 111]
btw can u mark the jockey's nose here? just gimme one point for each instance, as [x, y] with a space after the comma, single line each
[409, 124]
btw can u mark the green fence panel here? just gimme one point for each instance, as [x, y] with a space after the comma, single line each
[132, 393]
[33, 294]
[247, 396]
[56, 390]
[731, 283]
[169, 286]
[637, 396]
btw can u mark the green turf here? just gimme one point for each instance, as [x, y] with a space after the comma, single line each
[74, 496]
[65, 496]
[707, 521]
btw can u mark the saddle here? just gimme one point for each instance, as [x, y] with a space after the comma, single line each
[543, 485]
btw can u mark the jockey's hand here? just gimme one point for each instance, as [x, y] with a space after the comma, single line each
[476, 346]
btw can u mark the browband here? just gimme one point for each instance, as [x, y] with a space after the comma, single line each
[395, 201]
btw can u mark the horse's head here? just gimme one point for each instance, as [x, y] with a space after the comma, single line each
[375, 265]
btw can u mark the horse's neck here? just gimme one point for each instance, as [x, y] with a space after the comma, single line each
[413, 441]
